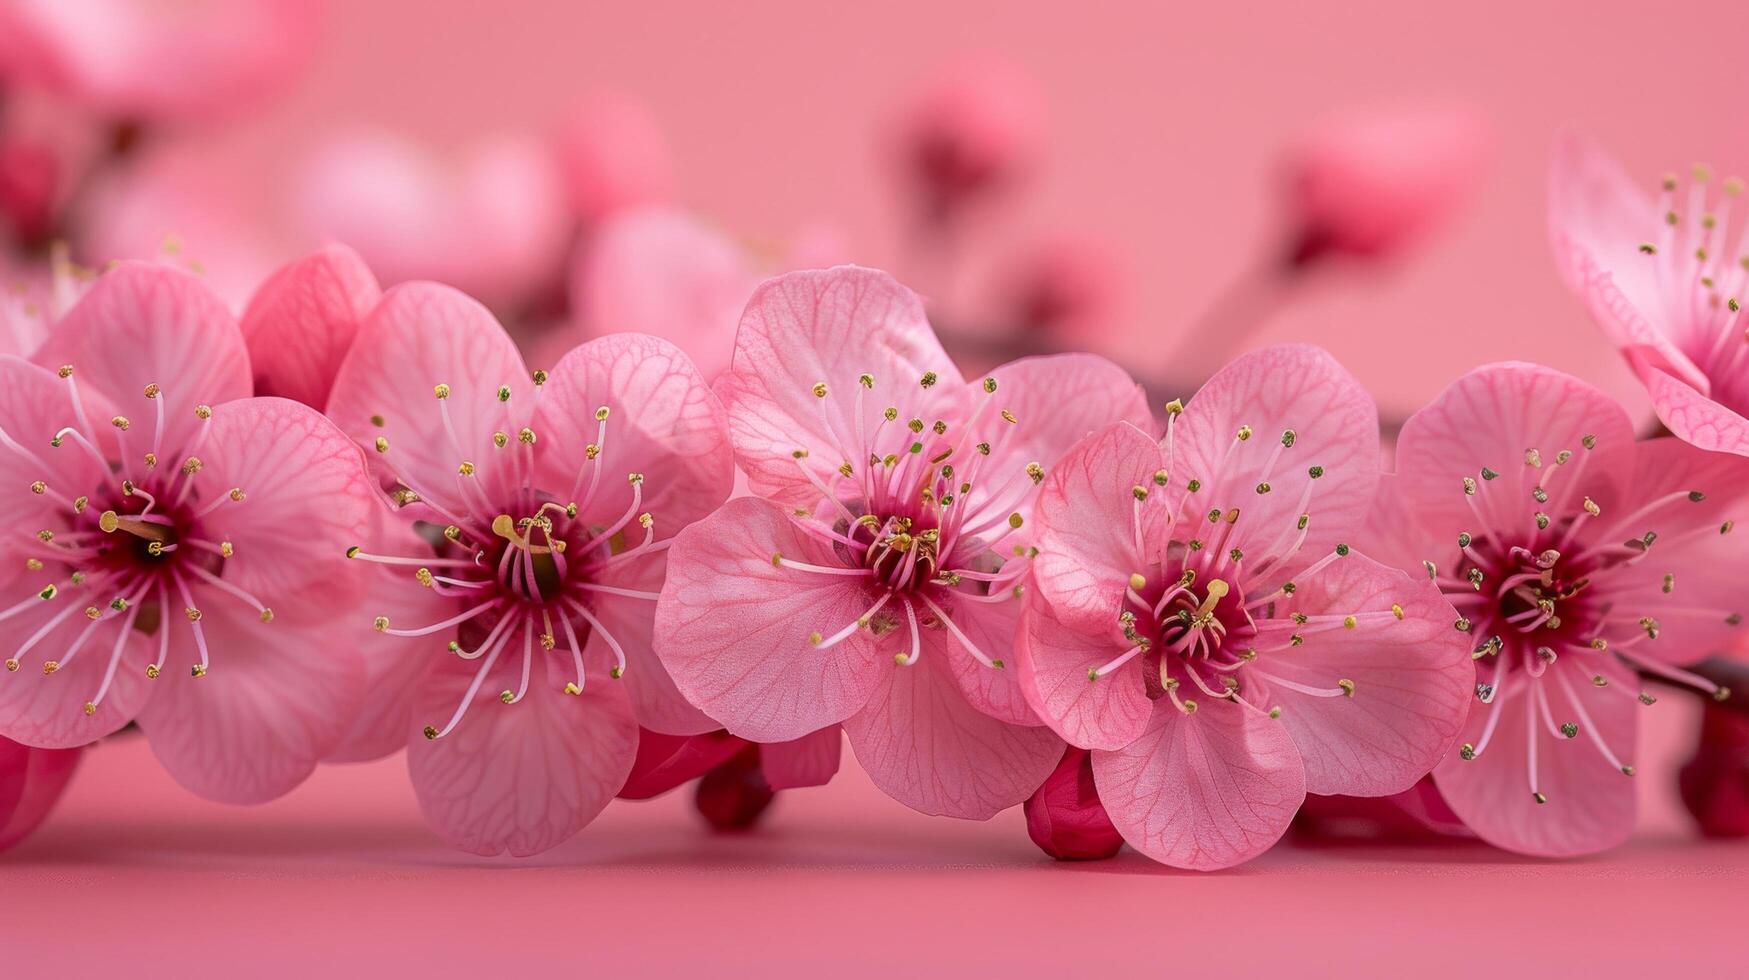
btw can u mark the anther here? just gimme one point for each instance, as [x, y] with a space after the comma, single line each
[441, 391]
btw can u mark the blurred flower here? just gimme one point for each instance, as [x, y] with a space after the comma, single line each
[1369, 184]
[1715, 782]
[1665, 284]
[612, 156]
[31, 781]
[899, 540]
[34, 298]
[29, 182]
[494, 225]
[300, 324]
[1521, 493]
[1065, 288]
[1418, 813]
[151, 60]
[196, 542]
[557, 496]
[1065, 819]
[974, 128]
[1221, 664]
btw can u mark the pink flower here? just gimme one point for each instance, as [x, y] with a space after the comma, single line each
[31, 781]
[1201, 624]
[872, 581]
[141, 59]
[492, 223]
[1371, 183]
[1715, 781]
[1575, 557]
[971, 130]
[34, 298]
[1065, 818]
[612, 156]
[301, 322]
[1418, 813]
[552, 503]
[167, 523]
[1664, 282]
[667, 761]
[30, 179]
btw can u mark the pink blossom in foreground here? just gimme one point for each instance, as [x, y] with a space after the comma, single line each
[1065, 818]
[612, 156]
[301, 322]
[491, 223]
[1665, 277]
[533, 518]
[31, 781]
[175, 539]
[142, 59]
[1369, 184]
[873, 580]
[1576, 557]
[1200, 622]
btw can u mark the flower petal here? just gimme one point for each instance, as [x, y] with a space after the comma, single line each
[34, 405]
[991, 626]
[1692, 416]
[663, 422]
[666, 761]
[523, 777]
[300, 324]
[1086, 516]
[1413, 678]
[732, 627]
[48, 711]
[1203, 791]
[143, 324]
[811, 760]
[419, 336]
[31, 781]
[278, 699]
[658, 704]
[1055, 658]
[1590, 805]
[830, 326]
[924, 745]
[1061, 399]
[1268, 476]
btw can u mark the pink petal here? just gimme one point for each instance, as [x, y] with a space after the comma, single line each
[1413, 679]
[1086, 521]
[827, 326]
[524, 777]
[422, 335]
[924, 745]
[1061, 399]
[31, 781]
[733, 628]
[991, 626]
[1108, 713]
[1490, 418]
[1706, 568]
[1065, 818]
[660, 271]
[666, 761]
[300, 324]
[811, 760]
[1590, 804]
[1203, 791]
[278, 699]
[143, 324]
[1335, 426]
[48, 711]
[34, 405]
[306, 499]
[1691, 415]
[656, 701]
[662, 422]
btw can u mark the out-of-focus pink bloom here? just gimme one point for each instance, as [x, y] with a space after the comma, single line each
[555, 497]
[33, 300]
[1575, 557]
[1369, 184]
[148, 60]
[1665, 283]
[1065, 818]
[178, 539]
[976, 127]
[1065, 288]
[300, 324]
[612, 156]
[1715, 782]
[31, 780]
[1201, 624]
[29, 181]
[873, 580]
[493, 225]
[1418, 813]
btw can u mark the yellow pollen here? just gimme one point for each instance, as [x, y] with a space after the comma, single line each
[1347, 687]
[381, 623]
[382, 444]
[1138, 581]
[120, 422]
[203, 412]
[441, 391]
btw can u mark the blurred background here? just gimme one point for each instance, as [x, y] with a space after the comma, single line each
[1169, 185]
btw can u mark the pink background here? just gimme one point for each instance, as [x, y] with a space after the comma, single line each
[1164, 127]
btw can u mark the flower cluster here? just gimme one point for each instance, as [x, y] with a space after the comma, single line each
[355, 520]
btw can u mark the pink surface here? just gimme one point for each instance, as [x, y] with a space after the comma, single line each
[343, 873]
